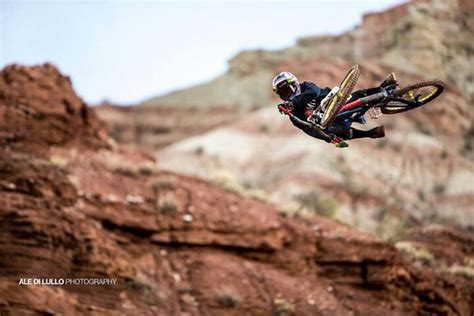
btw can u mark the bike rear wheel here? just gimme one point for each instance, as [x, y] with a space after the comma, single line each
[345, 89]
[422, 92]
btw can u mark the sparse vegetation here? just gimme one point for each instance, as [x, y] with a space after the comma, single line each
[421, 195]
[415, 253]
[167, 206]
[422, 128]
[148, 168]
[126, 171]
[292, 208]
[439, 188]
[355, 186]
[189, 299]
[162, 298]
[257, 194]
[120, 165]
[382, 143]
[123, 166]
[112, 143]
[58, 161]
[226, 180]
[162, 184]
[264, 127]
[390, 227]
[141, 284]
[134, 199]
[461, 270]
[227, 298]
[323, 205]
[283, 307]
[199, 150]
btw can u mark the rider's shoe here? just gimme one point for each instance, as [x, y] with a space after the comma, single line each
[391, 80]
[377, 132]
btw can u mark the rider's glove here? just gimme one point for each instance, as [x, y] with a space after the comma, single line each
[339, 142]
[285, 107]
[342, 144]
[314, 117]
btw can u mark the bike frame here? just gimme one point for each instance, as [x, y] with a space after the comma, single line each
[357, 108]
[353, 110]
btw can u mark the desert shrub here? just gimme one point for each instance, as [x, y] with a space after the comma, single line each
[323, 205]
[226, 180]
[148, 168]
[162, 298]
[283, 307]
[199, 150]
[422, 128]
[292, 208]
[189, 299]
[112, 143]
[162, 185]
[381, 143]
[421, 195]
[264, 127]
[167, 205]
[134, 199]
[121, 166]
[257, 194]
[439, 188]
[415, 253]
[461, 270]
[126, 171]
[58, 161]
[140, 283]
[227, 298]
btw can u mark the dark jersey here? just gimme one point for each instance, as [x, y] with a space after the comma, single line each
[304, 103]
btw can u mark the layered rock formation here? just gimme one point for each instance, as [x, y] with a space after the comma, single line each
[422, 172]
[79, 208]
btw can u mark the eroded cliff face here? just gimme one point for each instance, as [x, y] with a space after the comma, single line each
[177, 244]
[40, 108]
[423, 39]
[421, 172]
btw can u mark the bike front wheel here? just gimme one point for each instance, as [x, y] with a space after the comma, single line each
[420, 92]
[345, 89]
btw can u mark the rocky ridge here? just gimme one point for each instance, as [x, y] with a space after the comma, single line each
[420, 173]
[84, 208]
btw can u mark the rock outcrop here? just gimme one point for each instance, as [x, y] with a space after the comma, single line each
[420, 173]
[40, 108]
[177, 244]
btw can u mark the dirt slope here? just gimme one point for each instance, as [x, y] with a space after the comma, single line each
[422, 172]
[80, 208]
[419, 173]
[421, 39]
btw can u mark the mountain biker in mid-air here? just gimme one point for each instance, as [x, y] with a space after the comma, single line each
[303, 99]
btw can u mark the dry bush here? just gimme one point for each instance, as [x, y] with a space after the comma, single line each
[283, 307]
[322, 205]
[415, 253]
[59, 161]
[228, 298]
[162, 185]
[168, 205]
[461, 270]
[148, 168]
[226, 180]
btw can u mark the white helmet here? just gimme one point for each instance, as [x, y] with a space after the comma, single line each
[286, 85]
